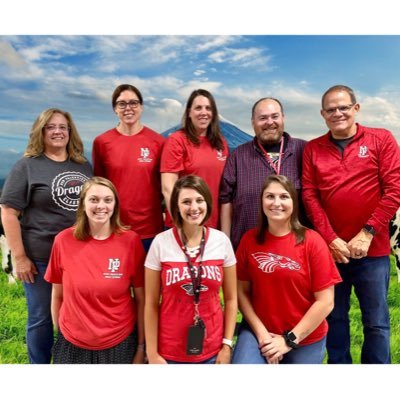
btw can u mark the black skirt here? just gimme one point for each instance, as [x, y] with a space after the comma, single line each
[64, 352]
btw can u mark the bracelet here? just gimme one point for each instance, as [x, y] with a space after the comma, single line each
[141, 347]
[228, 342]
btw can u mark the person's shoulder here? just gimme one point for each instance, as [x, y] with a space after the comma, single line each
[378, 133]
[110, 132]
[312, 236]
[243, 148]
[65, 234]
[152, 134]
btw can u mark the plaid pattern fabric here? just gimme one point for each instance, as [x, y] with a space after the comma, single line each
[245, 172]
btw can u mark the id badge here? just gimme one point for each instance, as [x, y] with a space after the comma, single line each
[195, 340]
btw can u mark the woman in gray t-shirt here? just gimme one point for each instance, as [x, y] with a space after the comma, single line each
[39, 199]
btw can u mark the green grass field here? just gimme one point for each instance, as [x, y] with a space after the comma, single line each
[13, 316]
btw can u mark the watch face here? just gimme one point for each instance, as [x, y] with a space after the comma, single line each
[292, 336]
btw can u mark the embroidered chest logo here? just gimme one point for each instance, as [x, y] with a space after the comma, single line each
[220, 156]
[268, 262]
[363, 152]
[65, 189]
[113, 267]
[144, 155]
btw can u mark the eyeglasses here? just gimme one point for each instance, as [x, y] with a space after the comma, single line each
[52, 128]
[341, 109]
[123, 104]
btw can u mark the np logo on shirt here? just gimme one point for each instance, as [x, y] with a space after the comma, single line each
[363, 152]
[113, 267]
[220, 156]
[145, 155]
[269, 262]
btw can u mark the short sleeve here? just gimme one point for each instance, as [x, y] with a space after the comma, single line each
[153, 260]
[15, 192]
[322, 267]
[54, 271]
[242, 259]
[230, 258]
[173, 155]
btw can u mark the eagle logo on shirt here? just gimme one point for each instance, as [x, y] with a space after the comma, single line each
[188, 288]
[268, 262]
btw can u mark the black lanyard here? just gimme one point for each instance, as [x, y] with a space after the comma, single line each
[196, 278]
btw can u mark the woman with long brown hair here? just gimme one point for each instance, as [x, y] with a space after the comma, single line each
[286, 279]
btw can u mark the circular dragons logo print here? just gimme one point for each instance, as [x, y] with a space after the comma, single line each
[66, 188]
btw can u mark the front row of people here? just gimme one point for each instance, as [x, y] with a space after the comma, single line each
[108, 309]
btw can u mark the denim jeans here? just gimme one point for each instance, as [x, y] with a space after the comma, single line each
[370, 278]
[247, 351]
[39, 327]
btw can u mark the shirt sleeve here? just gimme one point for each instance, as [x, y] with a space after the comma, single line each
[230, 258]
[322, 267]
[312, 204]
[242, 260]
[153, 260]
[15, 192]
[228, 181]
[389, 176]
[97, 159]
[54, 272]
[173, 155]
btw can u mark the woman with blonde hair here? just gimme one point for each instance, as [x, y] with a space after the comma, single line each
[39, 199]
[94, 267]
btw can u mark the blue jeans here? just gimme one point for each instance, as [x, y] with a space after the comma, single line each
[370, 278]
[247, 351]
[39, 327]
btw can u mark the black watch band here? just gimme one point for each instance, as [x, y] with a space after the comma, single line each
[370, 229]
[290, 338]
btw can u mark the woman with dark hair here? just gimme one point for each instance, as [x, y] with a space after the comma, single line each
[187, 266]
[198, 148]
[129, 155]
[93, 267]
[286, 279]
[39, 199]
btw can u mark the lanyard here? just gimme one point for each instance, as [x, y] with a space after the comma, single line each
[196, 277]
[277, 168]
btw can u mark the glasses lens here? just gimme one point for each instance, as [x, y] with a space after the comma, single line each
[123, 104]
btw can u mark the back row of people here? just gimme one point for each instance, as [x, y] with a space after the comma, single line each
[348, 180]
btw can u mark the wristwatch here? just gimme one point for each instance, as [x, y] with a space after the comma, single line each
[370, 229]
[228, 342]
[290, 338]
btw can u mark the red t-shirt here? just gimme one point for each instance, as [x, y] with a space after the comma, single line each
[284, 277]
[181, 156]
[97, 311]
[132, 164]
[177, 306]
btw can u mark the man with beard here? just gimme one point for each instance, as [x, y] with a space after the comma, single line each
[272, 151]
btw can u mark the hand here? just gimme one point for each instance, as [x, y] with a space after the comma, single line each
[273, 348]
[339, 251]
[359, 245]
[156, 359]
[224, 355]
[139, 357]
[25, 269]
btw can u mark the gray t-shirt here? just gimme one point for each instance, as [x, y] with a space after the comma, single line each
[47, 194]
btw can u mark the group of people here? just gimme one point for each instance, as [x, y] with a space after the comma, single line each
[128, 260]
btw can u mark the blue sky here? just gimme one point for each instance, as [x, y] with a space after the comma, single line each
[79, 72]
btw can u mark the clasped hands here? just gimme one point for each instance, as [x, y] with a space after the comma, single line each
[356, 248]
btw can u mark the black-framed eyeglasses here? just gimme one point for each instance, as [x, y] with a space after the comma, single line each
[123, 104]
[341, 109]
